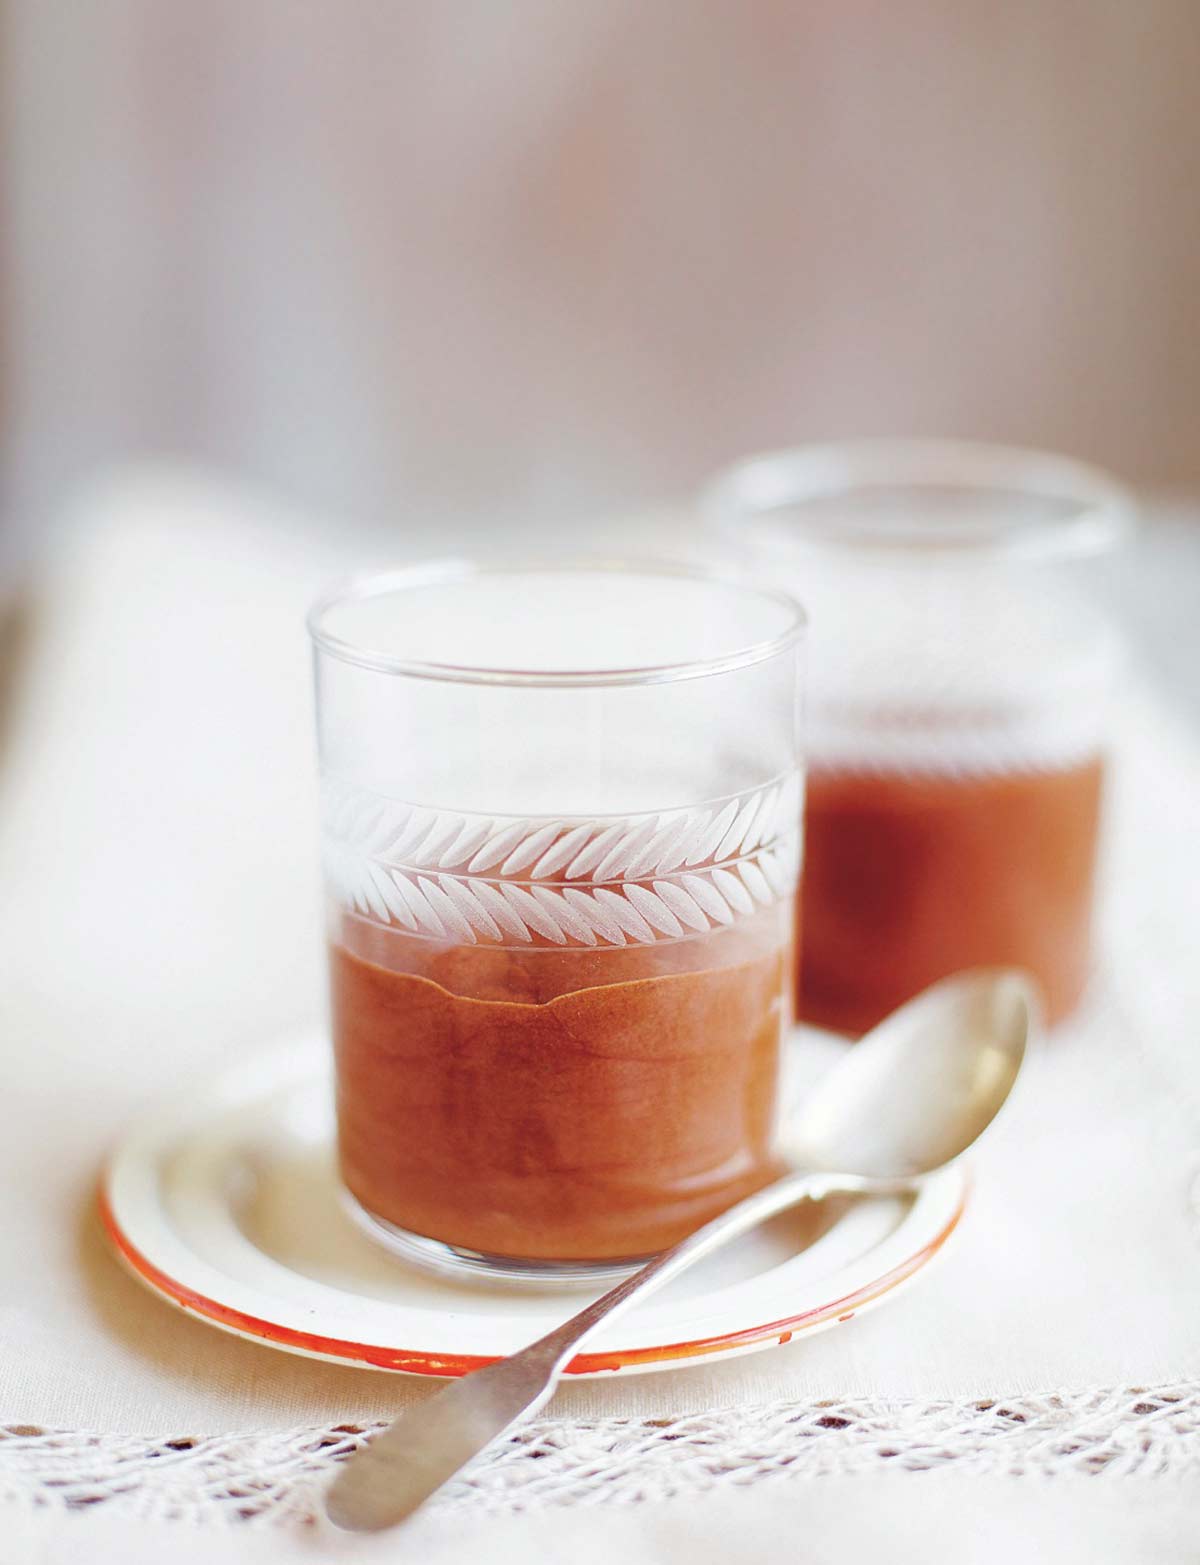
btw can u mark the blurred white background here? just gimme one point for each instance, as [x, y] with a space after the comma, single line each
[533, 259]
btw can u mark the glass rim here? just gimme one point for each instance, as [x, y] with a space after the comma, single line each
[373, 584]
[751, 489]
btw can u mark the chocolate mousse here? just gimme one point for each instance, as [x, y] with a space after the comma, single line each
[911, 876]
[554, 1102]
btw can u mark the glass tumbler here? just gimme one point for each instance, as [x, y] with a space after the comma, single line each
[958, 686]
[561, 827]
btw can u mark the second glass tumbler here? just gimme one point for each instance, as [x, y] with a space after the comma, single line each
[958, 708]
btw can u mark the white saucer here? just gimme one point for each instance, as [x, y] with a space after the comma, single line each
[225, 1201]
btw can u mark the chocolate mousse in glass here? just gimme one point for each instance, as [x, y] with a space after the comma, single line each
[561, 832]
[958, 686]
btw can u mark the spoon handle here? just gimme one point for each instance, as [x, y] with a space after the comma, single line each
[385, 1481]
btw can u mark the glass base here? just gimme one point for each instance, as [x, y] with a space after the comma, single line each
[464, 1265]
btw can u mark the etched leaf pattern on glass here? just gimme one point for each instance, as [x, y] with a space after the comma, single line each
[466, 878]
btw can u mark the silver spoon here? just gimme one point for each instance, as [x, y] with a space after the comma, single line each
[909, 1098]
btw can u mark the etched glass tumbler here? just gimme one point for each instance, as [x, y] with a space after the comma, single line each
[561, 818]
[957, 707]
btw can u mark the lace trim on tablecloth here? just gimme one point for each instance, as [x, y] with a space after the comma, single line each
[275, 1477]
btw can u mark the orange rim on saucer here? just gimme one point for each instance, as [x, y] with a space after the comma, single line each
[412, 1362]
[201, 1204]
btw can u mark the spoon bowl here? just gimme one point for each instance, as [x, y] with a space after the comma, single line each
[923, 1086]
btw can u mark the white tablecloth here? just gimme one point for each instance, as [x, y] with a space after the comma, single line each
[159, 908]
